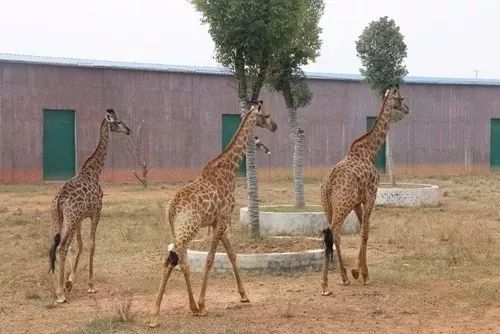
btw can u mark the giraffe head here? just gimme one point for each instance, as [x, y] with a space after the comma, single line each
[399, 109]
[115, 124]
[263, 120]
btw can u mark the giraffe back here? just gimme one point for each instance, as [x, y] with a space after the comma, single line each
[350, 183]
[79, 198]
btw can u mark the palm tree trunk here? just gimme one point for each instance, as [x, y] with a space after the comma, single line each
[252, 187]
[297, 135]
[388, 158]
[252, 191]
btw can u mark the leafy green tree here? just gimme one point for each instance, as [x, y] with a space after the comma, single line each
[382, 50]
[249, 35]
[301, 45]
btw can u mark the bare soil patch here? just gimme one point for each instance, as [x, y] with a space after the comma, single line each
[245, 245]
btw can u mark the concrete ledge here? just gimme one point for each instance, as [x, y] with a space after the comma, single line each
[264, 263]
[297, 223]
[408, 195]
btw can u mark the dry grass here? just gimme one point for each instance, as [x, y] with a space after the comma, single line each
[431, 263]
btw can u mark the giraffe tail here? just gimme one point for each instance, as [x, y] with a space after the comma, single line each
[52, 251]
[328, 241]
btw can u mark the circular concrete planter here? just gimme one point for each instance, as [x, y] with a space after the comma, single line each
[296, 223]
[408, 195]
[263, 263]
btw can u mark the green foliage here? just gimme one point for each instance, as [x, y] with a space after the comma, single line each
[300, 45]
[382, 49]
[264, 40]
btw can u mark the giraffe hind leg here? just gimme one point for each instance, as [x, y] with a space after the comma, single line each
[232, 258]
[328, 241]
[359, 213]
[216, 236]
[68, 285]
[169, 264]
[187, 276]
[62, 251]
[94, 221]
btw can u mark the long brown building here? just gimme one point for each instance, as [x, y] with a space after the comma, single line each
[51, 109]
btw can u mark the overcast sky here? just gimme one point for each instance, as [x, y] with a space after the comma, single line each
[445, 38]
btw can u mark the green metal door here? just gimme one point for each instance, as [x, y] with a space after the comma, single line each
[230, 123]
[380, 158]
[58, 145]
[495, 144]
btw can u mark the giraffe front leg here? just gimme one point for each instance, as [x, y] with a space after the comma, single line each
[217, 233]
[68, 285]
[93, 228]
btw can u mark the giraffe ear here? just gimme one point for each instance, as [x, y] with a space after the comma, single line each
[110, 115]
[387, 92]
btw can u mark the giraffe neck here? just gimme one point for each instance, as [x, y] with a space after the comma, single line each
[371, 142]
[94, 164]
[230, 158]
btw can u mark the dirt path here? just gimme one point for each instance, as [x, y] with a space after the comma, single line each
[285, 304]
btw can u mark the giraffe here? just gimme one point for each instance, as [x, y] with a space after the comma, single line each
[208, 202]
[77, 199]
[352, 185]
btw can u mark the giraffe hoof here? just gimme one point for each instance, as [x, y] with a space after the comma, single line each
[346, 283]
[68, 285]
[326, 293]
[61, 299]
[153, 323]
[244, 299]
[355, 273]
[91, 290]
[199, 313]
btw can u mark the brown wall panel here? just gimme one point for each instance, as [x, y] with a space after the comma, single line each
[447, 131]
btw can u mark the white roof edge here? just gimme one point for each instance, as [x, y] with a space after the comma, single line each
[106, 64]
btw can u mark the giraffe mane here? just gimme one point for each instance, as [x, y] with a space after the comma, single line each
[87, 161]
[231, 143]
[369, 132]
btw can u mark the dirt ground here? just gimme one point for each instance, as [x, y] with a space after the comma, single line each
[432, 270]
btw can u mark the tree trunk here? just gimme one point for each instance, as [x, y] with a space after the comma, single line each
[297, 135]
[252, 187]
[388, 158]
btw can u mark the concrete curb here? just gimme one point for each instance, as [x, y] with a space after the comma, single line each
[311, 223]
[408, 195]
[297, 223]
[264, 263]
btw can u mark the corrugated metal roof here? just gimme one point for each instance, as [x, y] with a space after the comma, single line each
[106, 64]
